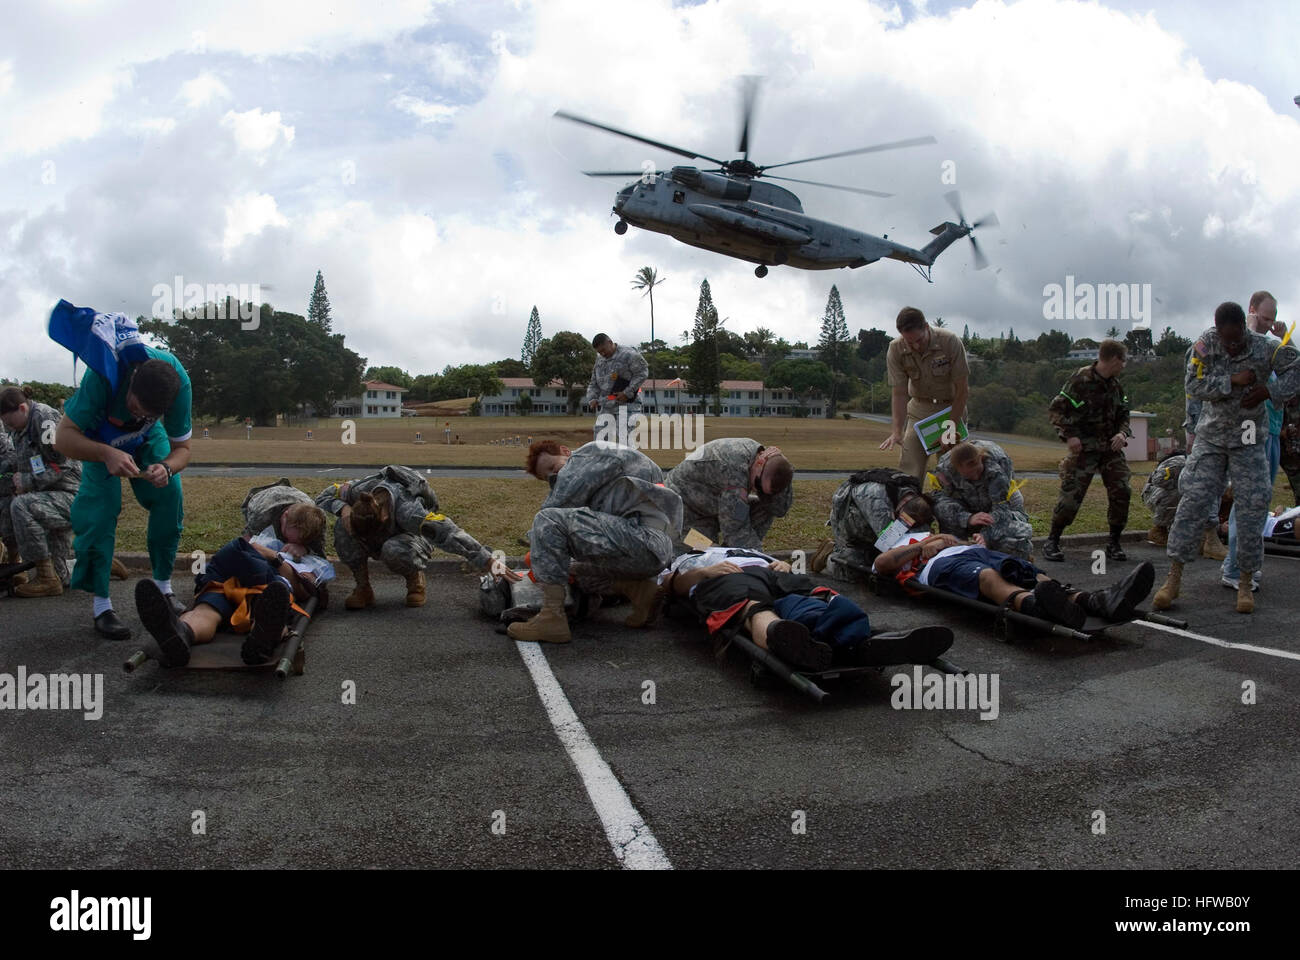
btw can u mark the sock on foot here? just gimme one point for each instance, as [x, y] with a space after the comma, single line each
[164, 585]
[102, 604]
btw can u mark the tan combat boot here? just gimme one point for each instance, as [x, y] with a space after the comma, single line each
[645, 598]
[1211, 546]
[118, 572]
[11, 556]
[551, 625]
[824, 551]
[46, 584]
[1164, 598]
[361, 596]
[415, 589]
[1245, 593]
[1159, 536]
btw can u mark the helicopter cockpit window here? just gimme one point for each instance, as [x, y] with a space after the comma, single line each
[679, 196]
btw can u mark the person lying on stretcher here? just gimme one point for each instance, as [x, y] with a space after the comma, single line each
[810, 627]
[968, 568]
[253, 585]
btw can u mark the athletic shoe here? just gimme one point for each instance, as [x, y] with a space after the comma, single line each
[919, 645]
[270, 612]
[1232, 582]
[790, 641]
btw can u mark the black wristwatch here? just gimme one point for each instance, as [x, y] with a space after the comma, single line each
[170, 472]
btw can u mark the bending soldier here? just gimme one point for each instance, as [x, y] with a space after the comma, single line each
[977, 494]
[732, 489]
[863, 506]
[1161, 495]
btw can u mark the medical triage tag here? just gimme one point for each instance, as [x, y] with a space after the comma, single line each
[38, 466]
[893, 534]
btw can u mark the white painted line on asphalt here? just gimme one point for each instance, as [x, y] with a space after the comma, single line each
[1248, 647]
[634, 845]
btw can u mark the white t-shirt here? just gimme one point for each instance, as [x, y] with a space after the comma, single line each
[924, 575]
[707, 558]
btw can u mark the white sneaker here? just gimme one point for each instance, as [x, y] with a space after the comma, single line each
[1232, 584]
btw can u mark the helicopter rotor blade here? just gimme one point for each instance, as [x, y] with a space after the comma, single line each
[954, 201]
[897, 144]
[981, 261]
[680, 151]
[834, 186]
[614, 173]
[989, 220]
[748, 96]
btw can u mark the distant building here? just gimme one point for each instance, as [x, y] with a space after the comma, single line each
[379, 399]
[1083, 353]
[737, 398]
[802, 353]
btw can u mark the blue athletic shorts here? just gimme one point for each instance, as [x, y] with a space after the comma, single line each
[960, 573]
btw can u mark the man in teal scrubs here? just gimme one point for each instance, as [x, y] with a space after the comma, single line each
[140, 431]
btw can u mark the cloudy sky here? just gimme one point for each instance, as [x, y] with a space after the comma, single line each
[407, 149]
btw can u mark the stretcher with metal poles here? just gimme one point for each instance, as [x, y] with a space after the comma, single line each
[223, 653]
[1010, 625]
[10, 570]
[1282, 547]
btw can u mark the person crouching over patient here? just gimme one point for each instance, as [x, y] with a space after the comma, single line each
[253, 585]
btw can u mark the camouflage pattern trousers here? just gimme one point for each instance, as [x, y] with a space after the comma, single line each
[1077, 470]
[1290, 463]
[404, 554]
[1202, 481]
[40, 522]
[620, 545]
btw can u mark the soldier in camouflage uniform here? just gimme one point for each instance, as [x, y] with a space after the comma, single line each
[1161, 494]
[7, 465]
[975, 497]
[732, 489]
[608, 505]
[1091, 415]
[863, 506]
[265, 507]
[393, 516]
[616, 380]
[1290, 461]
[36, 504]
[1230, 372]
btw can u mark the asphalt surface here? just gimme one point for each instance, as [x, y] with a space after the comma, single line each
[1147, 726]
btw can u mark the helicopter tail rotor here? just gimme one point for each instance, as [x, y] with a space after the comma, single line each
[988, 220]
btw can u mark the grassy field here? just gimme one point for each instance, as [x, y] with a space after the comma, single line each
[810, 444]
[498, 512]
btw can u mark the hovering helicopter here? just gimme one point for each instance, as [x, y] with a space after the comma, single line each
[729, 210]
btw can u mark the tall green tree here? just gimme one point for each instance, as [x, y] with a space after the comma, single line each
[872, 343]
[567, 357]
[394, 375]
[704, 375]
[834, 343]
[965, 335]
[805, 378]
[318, 310]
[532, 337]
[50, 394]
[646, 279]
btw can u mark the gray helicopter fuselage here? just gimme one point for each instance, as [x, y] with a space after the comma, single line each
[751, 220]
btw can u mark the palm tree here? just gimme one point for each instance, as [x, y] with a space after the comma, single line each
[646, 279]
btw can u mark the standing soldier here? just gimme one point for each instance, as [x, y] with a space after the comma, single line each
[393, 516]
[1230, 372]
[978, 494]
[1091, 415]
[35, 522]
[732, 489]
[616, 379]
[927, 372]
[608, 506]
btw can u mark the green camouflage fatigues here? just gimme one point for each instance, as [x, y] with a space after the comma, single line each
[415, 526]
[713, 482]
[1220, 451]
[264, 506]
[1093, 409]
[860, 512]
[623, 373]
[39, 519]
[958, 498]
[608, 507]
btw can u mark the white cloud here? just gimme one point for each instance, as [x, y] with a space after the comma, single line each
[6, 76]
[203, 89]
[257, 132]
[160, 126]
[247, 216]
[426, 111]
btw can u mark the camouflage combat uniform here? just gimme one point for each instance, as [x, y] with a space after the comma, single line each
[265, 506]
[1290, 439]
[7, 465]
[958, 498]
[713, 482]
[1220, 451]
[1094, 409]
[860, 512]
[1192, 407]
[415, 526]
[623, 373]
[608, 507]
[39, 519]
[1160, 492]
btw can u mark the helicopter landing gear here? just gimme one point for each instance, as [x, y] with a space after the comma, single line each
[760, 271]
[621, 227]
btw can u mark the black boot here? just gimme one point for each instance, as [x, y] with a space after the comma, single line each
[1052, 548]
[790, 641]
[108, 625]
[919, 645]
[270, 613]
[1113, 550]
[1051, 601]
[1117, 601]
[159, 617]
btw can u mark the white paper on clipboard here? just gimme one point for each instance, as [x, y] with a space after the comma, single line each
[892, 536]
